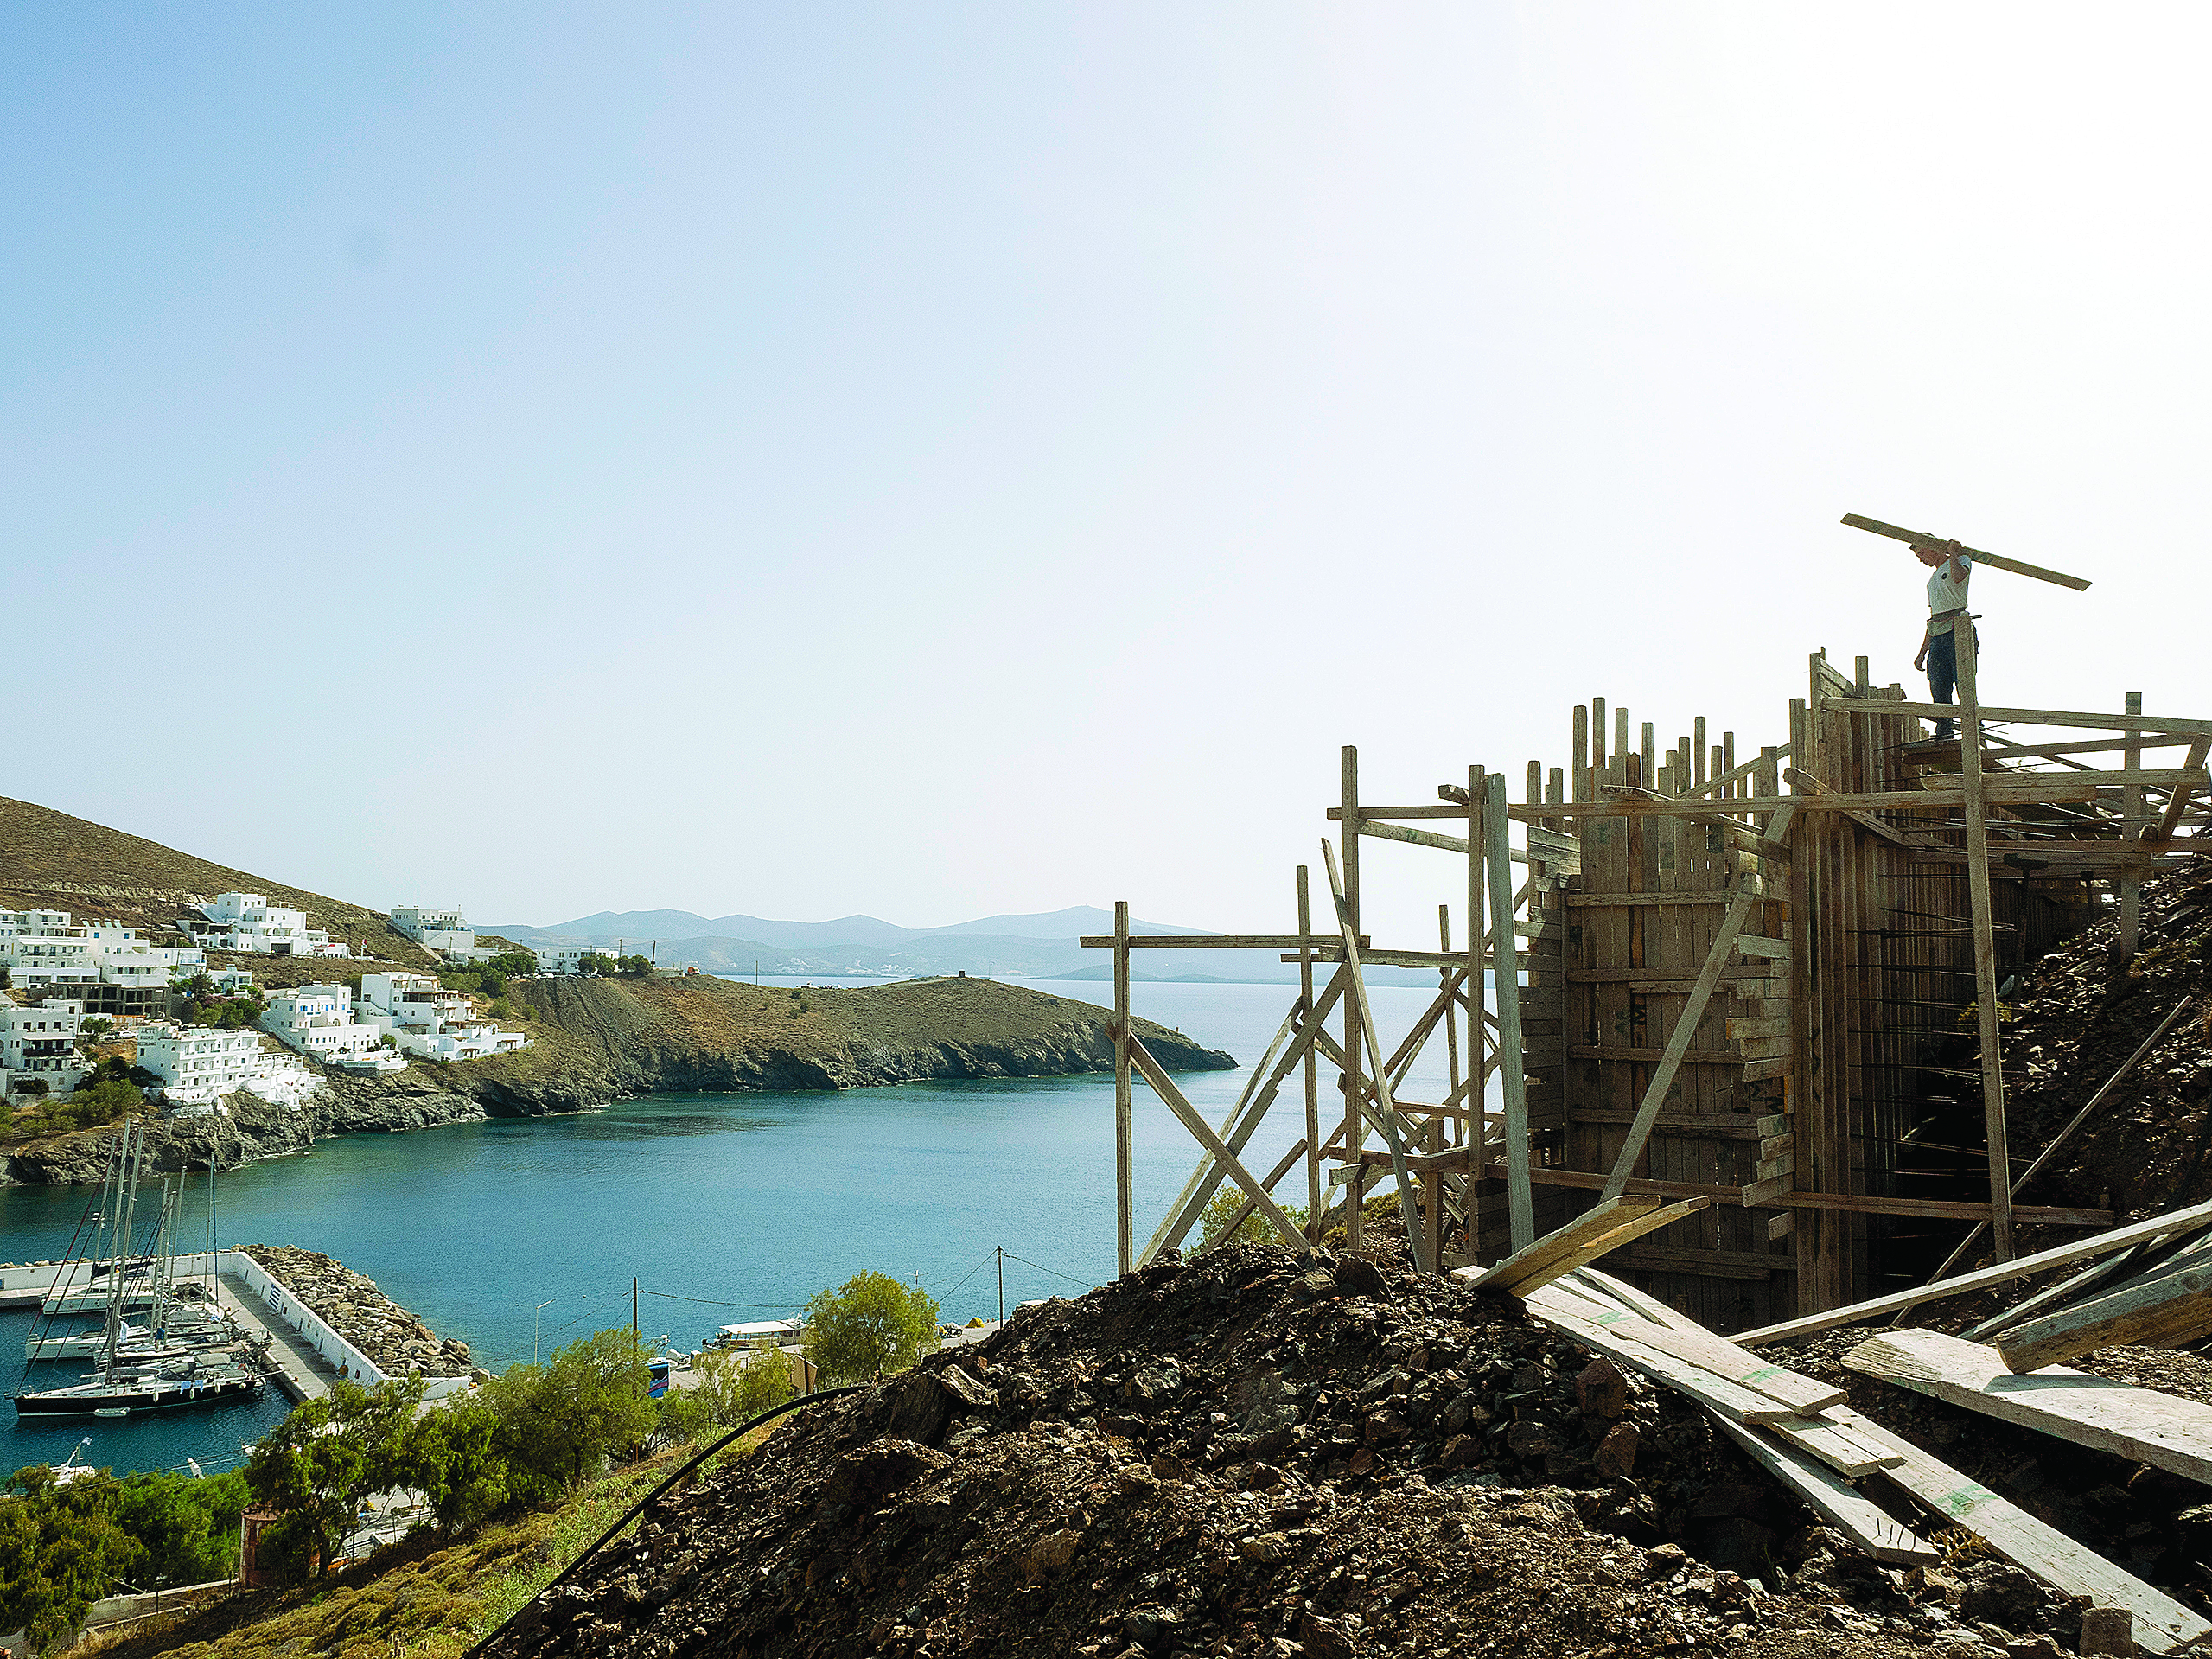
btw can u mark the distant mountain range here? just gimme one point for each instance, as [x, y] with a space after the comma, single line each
[1040, 946]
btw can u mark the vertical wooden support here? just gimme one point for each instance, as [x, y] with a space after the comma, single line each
[1597, 740]
[1124, 1139]
[1313, 1082]
[2131, 878]
[1582, 752]
[1621, 736]
[1698, 751]
[1650, 778]
[1521, 1202]
[1992, 1070]
[1354, 1125]
[1478, 797]
[1450, 1026]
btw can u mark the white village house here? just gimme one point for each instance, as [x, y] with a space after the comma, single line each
[249, 923]
[197, 1065]
[318, 1020]
[566, 959]
[443, 931]
[428, 1020]
[39, 1045]
[112, 969]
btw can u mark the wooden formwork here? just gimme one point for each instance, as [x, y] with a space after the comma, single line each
[1740, 980]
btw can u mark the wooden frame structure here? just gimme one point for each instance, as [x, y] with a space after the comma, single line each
[1730, 979]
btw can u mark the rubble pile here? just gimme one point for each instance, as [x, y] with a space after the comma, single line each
[1254, 1454]
[394, 1340]
[2074, 1020]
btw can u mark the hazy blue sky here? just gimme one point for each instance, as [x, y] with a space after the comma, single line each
[936, 461]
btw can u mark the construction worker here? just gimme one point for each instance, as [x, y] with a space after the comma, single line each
[1946, 611]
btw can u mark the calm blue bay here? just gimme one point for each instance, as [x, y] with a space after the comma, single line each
[723, 1207]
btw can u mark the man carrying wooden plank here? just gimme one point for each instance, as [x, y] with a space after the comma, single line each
[1946, 610]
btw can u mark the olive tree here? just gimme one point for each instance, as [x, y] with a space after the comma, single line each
[870, 1325]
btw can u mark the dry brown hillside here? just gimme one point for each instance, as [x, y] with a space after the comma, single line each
[50, 860]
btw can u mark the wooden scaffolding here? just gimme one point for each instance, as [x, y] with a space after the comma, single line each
[1738, 982]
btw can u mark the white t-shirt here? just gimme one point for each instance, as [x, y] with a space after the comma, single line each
[1943, 593]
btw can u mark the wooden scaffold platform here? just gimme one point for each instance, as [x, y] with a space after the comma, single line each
[1729, 980]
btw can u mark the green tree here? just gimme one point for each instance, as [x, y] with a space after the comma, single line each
[316, 1466]
[91, 1031]
[1254, 1228]
[187, 1528]
[870, 1325]
[451, 1454]
[61, 1551]
[559, 1420]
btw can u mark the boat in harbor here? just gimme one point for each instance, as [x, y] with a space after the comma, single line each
[174, 1327]
[120, 1386]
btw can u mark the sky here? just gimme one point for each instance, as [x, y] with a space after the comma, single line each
[934, 461]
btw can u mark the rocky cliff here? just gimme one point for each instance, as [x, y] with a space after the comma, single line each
[594, 1041]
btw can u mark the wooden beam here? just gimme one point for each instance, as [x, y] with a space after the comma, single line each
[2080, 719]
[1678, 1044]
[1163, 1086]
[1386, 1112]
[1313, 1093]
[2162, 1308]
[2137, 1424]
[1521, 1202]
[1594, 1223]
[1282, 1167]
[2060, 1139]
[2016, 566]
[1626, 1231]
[1125, 1141]
[1698, 1346]
[2179, 799]
[1978, 900]
[2176, 1223]
[1209, 941]
[1716, 1393]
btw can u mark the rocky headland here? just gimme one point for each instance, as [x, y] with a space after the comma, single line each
[597, 1040]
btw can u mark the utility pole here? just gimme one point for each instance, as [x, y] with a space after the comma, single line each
[534, 1312]
[633, 1310]
[1002, 1284]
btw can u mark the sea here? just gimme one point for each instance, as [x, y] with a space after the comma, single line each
[519, 1236]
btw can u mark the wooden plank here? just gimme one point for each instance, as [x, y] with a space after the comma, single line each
[1595, 1249]
[1992, 1069]
[2160, 1310]
[1848, 1454]
[1642, 976]
[2060, 1139]
[2016, 566]
[1725, 1125]
[2161, 1624]
[1312, 1080]
[1767, 1047]
[1678, 1045]
[1652, 1057]
[1699, 1346]
[1741, 1028]
[2179, 799]
[2085, 720]
[2176, 1223]
[1716, 1393]
[1211, 942]
[1163, 1086]
[1282, 1167]
[2141, 1424]
[1759, 1070]
[1624, 901]
[1520, 1204]
[1706, 1264]
[1775, 950]
[1594, 1223]
[1843, 1506]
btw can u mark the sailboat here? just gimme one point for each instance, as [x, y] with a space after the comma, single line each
[172, 1329]
[120, 1386]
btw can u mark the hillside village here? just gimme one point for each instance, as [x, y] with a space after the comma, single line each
[197, 1027]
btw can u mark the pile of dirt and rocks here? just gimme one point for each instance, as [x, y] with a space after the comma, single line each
[396, 1342]
[2075, 1018]
[1256, 1454]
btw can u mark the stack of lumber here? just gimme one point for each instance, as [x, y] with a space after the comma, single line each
[1802, 1432]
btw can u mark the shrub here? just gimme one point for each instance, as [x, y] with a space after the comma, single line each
[1255, 1227]
[737, 1383]
[60, 1550]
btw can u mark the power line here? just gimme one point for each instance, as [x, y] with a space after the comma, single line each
[1055, 1272]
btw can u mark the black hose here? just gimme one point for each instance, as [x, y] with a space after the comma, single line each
[639, 1508]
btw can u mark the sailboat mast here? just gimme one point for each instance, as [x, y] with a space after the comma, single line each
[130, 1205]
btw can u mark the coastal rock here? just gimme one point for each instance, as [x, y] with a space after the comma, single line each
[395, 1341]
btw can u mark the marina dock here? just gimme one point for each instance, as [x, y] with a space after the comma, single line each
[298, 1369]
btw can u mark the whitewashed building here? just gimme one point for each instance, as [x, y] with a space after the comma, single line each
[427, 1020]
[443, 931]
[249, 923]
[197, 1065]
[318, 1021]
[114, 969]
[567, 958]
[38, 1043]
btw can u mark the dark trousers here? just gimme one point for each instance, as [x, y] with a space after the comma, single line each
[1943, 668]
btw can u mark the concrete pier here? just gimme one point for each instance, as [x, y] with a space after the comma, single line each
[299, 1370]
